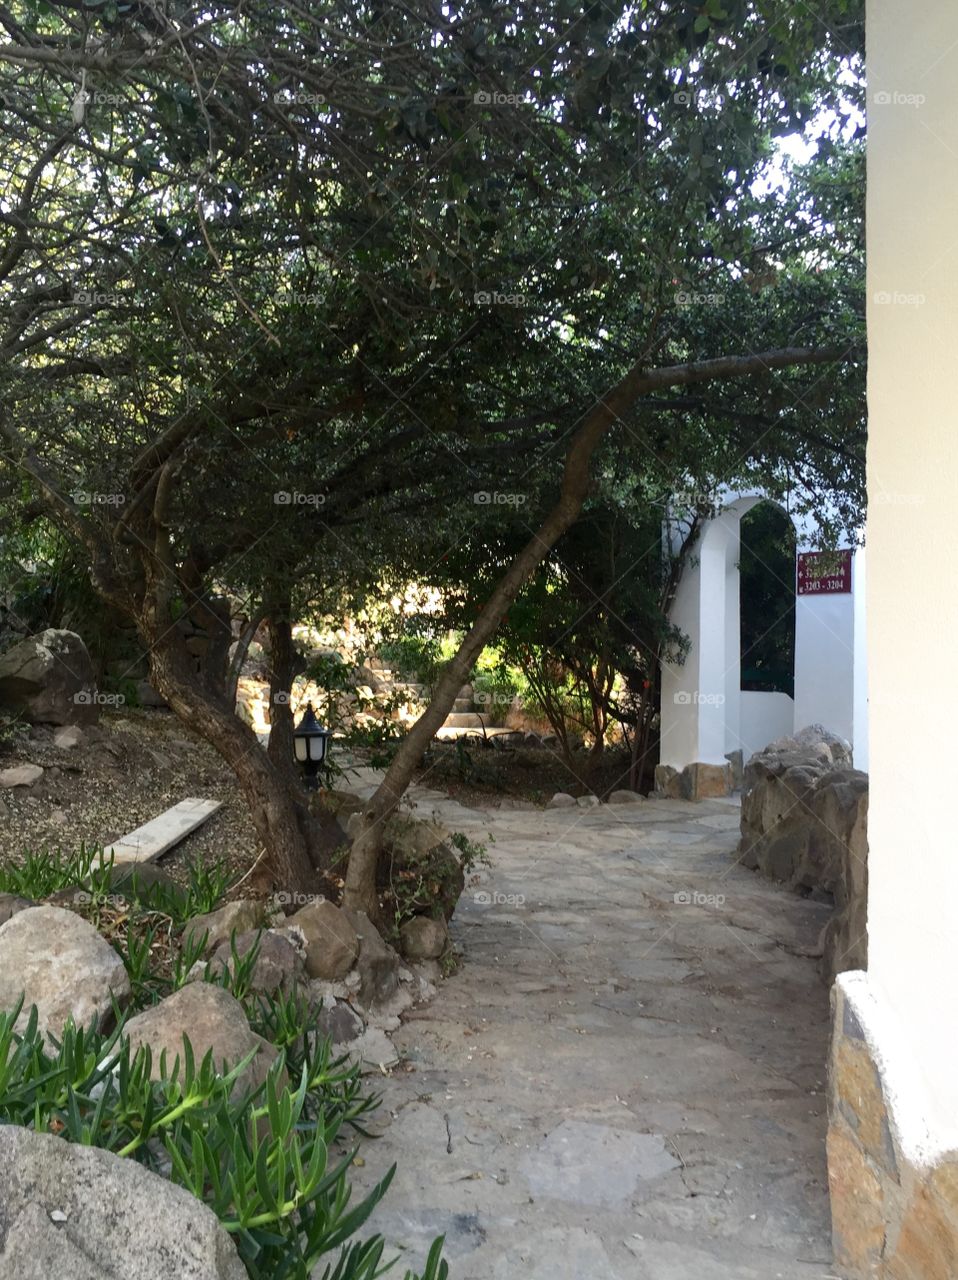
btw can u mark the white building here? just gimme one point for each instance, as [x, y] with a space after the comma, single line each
[895, 1199]
[706, 715]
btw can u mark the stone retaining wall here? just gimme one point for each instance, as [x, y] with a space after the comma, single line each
[804, 823]
[892, 1219]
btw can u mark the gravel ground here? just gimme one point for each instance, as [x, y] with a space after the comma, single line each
[125, 771]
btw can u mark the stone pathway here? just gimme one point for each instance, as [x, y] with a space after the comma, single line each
[626, 1079]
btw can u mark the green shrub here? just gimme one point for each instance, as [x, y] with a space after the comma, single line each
[12, 729]
[379, 740]
[414, 655]
[260, 1158]
[496, 685]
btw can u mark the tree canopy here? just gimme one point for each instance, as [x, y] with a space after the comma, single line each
[285, 292]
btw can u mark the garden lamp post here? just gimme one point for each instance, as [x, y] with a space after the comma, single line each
[310, 744]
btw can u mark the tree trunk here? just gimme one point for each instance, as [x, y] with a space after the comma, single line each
[360, 891]
[277, 815]
[282, 659]
[239, 656]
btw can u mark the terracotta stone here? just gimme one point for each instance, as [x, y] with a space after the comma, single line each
[858, 1226]
[888, 1222]
[707, 781]
[927, 1246]
[695, 782]
[858, 1093]
[944, 1183]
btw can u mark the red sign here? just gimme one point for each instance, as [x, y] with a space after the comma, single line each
[824, 573]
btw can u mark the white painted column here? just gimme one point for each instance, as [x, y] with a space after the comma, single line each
[731, 524]
[695, 696]
[860, 664]
[912, 596]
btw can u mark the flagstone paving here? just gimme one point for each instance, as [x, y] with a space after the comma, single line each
[626, 1078]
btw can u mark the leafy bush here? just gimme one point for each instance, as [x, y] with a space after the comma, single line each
[291, 1023]
[259, 1158]
[208, 884]
[139, 917]
[379, 740]
[12, 729]
[497, 684]
[414, 655]
[472, 853]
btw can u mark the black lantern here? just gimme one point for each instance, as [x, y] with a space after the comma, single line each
[310, 743]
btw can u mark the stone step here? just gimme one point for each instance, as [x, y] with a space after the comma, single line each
[445, 734]
[463, 720]
[409, 687]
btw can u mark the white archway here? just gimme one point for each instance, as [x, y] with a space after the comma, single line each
[706, 715]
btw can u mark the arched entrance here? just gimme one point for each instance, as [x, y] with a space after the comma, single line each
[763, 661]
[766, 625]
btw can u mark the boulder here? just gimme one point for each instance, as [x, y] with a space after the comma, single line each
[220, 925]
[78, 1211]
[366, 677]
[377, 964]
[839, 748]
[625, 797]
[10, 904]
[708, 781]
[736, 759]
[813, 742]
[278, 966]
[20, 775]
[62, 965]
[331, 941]
[338, 1020]
[697, 781]
[68, 736]
[667, 781]
[561, 800]
[143, 882]
[804, 812]
[148, 697]
[424, 938]
[211, 1019]
[587, 801]
[72, 898]
[845, 940]
[49, 679]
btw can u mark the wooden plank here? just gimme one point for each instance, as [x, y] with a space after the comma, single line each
[156, 837]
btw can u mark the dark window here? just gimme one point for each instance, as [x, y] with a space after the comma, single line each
[767, 573]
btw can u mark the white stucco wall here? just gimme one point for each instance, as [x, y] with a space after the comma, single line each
[705, 713]
[825, 661]
[860, 675]
[763, 717]
[913, 484]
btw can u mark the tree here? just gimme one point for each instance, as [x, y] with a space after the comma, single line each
[384, 259]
